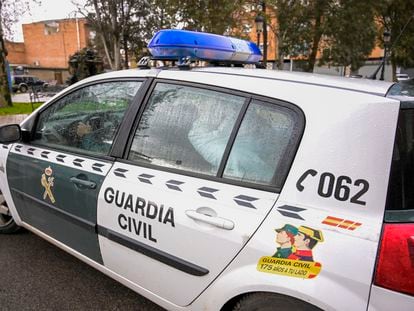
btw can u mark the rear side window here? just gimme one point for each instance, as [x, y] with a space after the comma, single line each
[261, 142]
[400, 202]
[186, 128]
[231, 137]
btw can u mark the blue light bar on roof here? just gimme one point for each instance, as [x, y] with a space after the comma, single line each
[177, 44]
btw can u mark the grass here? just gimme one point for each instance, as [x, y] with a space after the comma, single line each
[19, 108]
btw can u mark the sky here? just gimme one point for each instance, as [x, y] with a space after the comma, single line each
[48, 9]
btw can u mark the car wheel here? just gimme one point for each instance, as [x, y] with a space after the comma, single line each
[7, 224]
[270, 302]
[23, 88]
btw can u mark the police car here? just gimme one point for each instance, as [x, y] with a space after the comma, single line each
[223, 188]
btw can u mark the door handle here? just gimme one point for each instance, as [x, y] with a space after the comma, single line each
[212, 220]
[82, 182]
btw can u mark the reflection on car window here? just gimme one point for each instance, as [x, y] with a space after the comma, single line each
[403, 88]
[260, 144]
[87, 119]
[185, 128]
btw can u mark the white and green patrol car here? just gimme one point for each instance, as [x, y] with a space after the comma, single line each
[223, 188]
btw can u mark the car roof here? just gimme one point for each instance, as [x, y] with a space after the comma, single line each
[354, 84]
[291, 87]
[358, 85]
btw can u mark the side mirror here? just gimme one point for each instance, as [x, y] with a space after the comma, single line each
[10, 133]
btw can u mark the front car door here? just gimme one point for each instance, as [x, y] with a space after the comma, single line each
[198, 179]
[55, 179]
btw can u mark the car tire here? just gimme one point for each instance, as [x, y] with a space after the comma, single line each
[7, 223]
[23, 88]
[270, 302]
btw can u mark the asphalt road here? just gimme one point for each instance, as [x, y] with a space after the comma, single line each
[35, 275]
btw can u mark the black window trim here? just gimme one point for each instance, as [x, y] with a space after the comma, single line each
[398, 216]
[232, 137]
[123, 133]
[289, 155]
[136, 101]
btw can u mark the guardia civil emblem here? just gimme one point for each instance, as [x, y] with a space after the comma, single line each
[47, 182]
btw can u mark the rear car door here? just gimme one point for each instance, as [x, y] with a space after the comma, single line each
[56, 177]
[198, 178]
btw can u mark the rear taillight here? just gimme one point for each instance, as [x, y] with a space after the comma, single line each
[395, 265]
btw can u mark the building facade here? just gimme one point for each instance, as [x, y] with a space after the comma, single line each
[47, 46]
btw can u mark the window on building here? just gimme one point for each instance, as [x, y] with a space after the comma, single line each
[51, 28]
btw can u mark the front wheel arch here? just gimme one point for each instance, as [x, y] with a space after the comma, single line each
[7, 223]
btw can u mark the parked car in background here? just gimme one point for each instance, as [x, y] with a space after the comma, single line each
[23, 82]
[402, 77]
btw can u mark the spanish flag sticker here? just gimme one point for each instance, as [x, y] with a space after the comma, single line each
[289, 267]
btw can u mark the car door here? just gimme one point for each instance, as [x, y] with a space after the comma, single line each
[202, 170]
[56, 177]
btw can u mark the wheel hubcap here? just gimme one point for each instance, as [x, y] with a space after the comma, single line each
[5, 217]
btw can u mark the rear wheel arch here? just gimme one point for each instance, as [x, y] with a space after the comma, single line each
[267, 301]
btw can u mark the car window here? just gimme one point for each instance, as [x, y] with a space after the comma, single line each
[402, 88]
[186, 128]
[86, 120]
[400, 202]
[260, 144]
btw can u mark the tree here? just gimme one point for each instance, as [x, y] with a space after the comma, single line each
[108, 19]
[126, 24]
[10, 10]
[347, 43]
[300, 28]
[83, 64]
[215, 16]
[397, 17]
[5, 97]
[151, 17]
[130, 24]
[327, 28]
[291, 28]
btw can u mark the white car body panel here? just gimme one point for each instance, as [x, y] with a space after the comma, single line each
[383, 299]
[345, 280]
[191, 240]
[361, 85]
[347, 133]
[346, 143]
